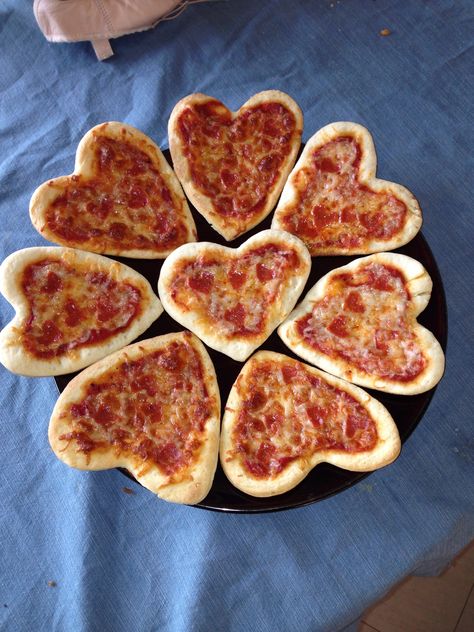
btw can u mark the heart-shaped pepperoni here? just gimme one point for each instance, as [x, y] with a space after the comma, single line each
[233, 165]
[72, 308]
[233, 299]
[284, 417]
[335, 204]
[153, 408]
[122, 199]
[359, 322]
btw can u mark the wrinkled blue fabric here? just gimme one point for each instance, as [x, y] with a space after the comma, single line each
[133, 562]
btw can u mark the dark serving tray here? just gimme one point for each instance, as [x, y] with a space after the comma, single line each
[324, 480]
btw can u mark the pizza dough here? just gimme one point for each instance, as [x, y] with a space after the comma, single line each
[284, 417]
[122, 199]
[359, 322]
[335, 204]
[234, 298]
[233, 165]
[152, 408]
[72, 308]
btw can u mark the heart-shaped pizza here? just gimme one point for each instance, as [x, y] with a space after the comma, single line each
[72, 308]
[152, 408]
[335, 204]
[122, 199]
[233, 165]
[284, 417]
[359, 322]
[234, 298]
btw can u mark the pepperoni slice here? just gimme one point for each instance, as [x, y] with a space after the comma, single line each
[74, 314]
[236, 315]
[79, 410]
[237, 279]
[325, 164]
[256, 400]
[106, 309]
[201, 282]
[317, 415]
[264, 273]
[145, 382]
[338, 326]
[137, 197]
[228, 178]
[289, 372]
[354, 303]
[50, 333]
[104, 415]
[101, 209]
[117, 231]
[274, 422]
[169, 456]
[53, 283]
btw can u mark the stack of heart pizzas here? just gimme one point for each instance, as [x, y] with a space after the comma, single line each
[153, 406]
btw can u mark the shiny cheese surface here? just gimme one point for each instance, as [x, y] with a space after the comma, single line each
[287, 412]
[126, 204]
[236, 162]
[73, 307]
[333, 209]
[366, 319]
[235, 293]
[153, 409]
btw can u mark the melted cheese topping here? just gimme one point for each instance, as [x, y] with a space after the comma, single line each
[288, 413]
[236, 294]
[236, 162]
[153, 409]
[366, 319]
[125, 205]
[75, 307]
[333, 211]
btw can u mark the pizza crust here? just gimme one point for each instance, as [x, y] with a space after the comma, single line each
[367, 171]
[386, 450]
[188, 487]
[238, 349]
[419, 285]
[202, 202]
[13, 354]
[47, 192]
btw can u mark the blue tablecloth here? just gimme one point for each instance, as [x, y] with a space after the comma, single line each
[130, 561]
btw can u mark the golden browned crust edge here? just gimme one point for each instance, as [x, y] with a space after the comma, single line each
[50, 189]
[368, 166]
[198, 480]
[238, 349]
[419, 284]
[17, 359]
[202, 202]
[386, 451]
